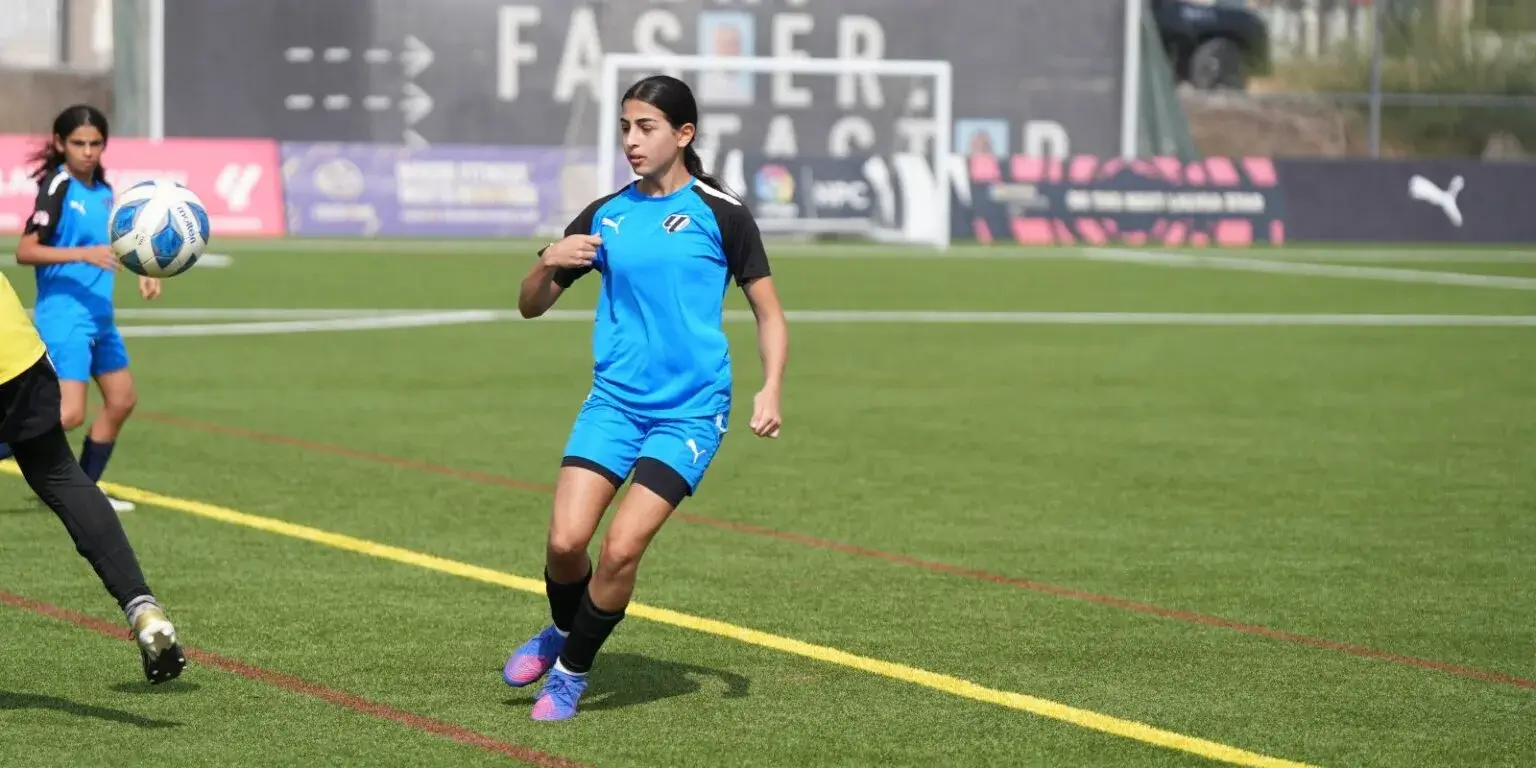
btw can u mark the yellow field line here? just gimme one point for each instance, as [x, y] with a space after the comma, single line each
[938, 682]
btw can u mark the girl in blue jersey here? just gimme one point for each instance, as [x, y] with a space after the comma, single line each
[66, 242]
[667, 247]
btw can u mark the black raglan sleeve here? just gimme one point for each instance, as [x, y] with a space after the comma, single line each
[745, 256]
[48, 208]
[581, 225]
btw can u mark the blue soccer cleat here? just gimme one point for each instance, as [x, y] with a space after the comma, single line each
[557, 701]
[530, 662]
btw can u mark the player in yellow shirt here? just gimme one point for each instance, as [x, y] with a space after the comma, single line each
[31, 426]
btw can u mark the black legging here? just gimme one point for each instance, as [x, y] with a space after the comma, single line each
[56, 477]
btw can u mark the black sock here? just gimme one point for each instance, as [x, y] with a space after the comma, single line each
[93, 458]
[565, 598]
[588, 632]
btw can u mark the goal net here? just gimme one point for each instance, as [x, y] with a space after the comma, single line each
[813, 146]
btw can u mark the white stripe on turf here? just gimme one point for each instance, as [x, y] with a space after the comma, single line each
[1305, 269]
[310, 326]
[278, 321]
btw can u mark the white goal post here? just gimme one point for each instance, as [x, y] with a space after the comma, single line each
[943, 106]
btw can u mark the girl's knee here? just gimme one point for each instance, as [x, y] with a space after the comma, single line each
[621, 556]
[120, 406]
[567, 548]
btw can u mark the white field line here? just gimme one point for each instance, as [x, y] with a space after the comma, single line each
[311, 326]
[851, 249]
[1363, 256]
[222, 313]
[1146, 318]
[278, 321]
[206, 261]
[1309, 269]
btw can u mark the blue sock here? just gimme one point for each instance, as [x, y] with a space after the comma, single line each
[93, 458]
[5, 451]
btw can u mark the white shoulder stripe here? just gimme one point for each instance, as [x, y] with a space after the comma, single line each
[712, 192]
[53, 184]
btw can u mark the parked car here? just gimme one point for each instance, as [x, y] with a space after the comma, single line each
[1213, 46]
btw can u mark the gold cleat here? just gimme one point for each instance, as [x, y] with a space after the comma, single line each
[163, 659]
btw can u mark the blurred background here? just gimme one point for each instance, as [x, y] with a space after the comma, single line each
[1290, 94]
[1456, 76]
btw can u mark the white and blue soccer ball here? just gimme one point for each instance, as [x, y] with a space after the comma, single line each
[158, 228]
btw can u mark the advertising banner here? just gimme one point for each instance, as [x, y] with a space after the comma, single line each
[818, 194]
[440, 191]
[17, 189]
[237, 179]
[1086, 200]
[1409, 201]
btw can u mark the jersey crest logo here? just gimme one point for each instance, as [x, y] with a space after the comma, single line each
[676, 222]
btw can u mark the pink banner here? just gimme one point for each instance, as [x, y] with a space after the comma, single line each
[1088, 200]
[237, 179]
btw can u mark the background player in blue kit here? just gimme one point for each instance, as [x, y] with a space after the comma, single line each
[667, 247]
[66, 241]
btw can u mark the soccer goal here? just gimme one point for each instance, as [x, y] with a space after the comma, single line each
[856, 147]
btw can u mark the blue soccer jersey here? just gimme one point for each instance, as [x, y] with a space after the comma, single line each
[74, 312]
[70, 214]
[666, 263]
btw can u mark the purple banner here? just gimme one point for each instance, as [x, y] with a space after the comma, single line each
[435, 191]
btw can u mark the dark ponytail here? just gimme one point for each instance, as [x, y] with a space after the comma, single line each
[695, 166]
[49, 157]
[675, 100]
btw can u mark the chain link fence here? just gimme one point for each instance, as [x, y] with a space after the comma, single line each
[1425, 78]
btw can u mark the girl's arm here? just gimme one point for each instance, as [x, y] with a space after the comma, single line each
[773, 348]
[31, 252]
[558, 265]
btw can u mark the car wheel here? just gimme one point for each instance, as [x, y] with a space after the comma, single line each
[1217, 63]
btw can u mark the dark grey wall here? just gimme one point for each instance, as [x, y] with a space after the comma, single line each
[525, 72]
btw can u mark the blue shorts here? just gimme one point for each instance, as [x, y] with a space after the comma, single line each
[615, 439]
[83, 349]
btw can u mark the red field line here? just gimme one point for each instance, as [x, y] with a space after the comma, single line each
[293, 684]
[873, 554]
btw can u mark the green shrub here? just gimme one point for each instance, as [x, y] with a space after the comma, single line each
[1422, 62]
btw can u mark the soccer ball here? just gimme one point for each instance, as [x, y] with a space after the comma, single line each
[158, 228]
